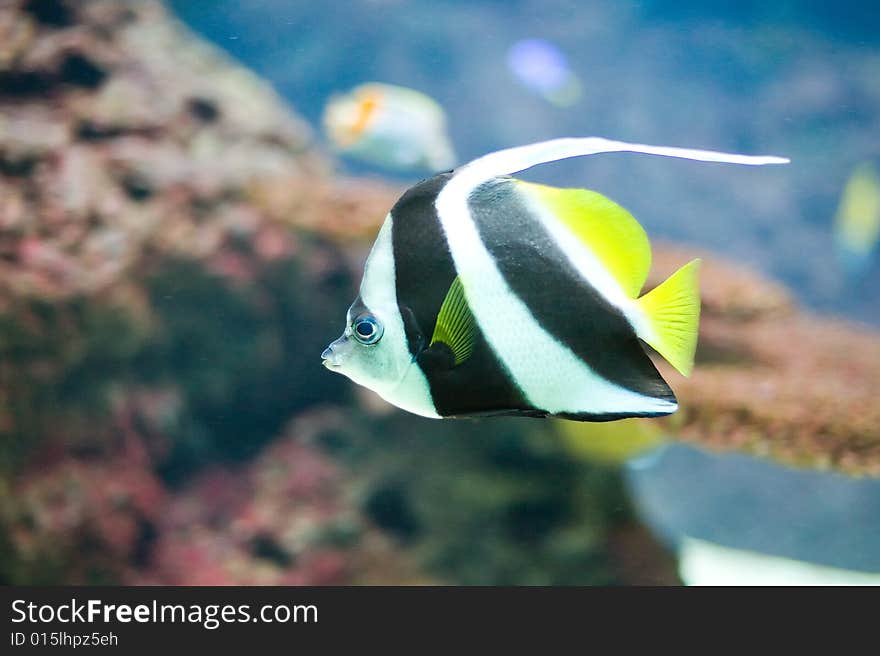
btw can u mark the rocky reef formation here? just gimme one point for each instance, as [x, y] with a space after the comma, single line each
[175, 252]
[147, 309]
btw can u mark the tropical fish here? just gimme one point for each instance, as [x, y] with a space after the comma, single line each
[487, 295]
[392, 126]
[857, 221]
[542, 67]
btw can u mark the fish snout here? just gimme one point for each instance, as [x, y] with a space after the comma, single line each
[334, 355]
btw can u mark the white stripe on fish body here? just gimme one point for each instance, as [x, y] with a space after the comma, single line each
[413, 394]
[550, 376]
[378, 282]
[379, 293]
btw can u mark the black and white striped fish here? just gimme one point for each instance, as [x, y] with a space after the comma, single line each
[487, 295]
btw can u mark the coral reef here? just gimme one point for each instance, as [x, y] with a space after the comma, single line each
[286, 518]
[79, 520]
[289, 517]
[119, 136]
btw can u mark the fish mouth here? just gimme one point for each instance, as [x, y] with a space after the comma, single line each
[329, 358]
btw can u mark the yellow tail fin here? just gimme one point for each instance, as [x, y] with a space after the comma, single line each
[672, 317]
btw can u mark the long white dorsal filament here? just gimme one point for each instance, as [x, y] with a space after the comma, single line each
[513, 160]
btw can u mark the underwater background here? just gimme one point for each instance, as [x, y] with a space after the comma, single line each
[179, 239]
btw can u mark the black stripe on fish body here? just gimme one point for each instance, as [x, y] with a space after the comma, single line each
[423, 266]
[424, 271]
[562, 302]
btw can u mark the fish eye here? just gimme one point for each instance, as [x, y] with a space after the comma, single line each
[367, 329]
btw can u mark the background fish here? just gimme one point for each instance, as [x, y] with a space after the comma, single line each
[857, 221]
[612, 443]
[542, 67]
[487, 295]
[391, 126]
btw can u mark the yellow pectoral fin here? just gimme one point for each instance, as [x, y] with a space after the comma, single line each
[608, 230]
[672, 317]
[456, 326]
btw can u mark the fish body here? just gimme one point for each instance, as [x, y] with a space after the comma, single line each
[392, 126]
[487, 295]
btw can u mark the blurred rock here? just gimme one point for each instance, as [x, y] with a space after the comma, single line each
[115, 122]
[80, 520]
[287, 518]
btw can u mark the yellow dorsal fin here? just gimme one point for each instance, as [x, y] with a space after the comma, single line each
[456, 326]
[610, 232]
[671, 314]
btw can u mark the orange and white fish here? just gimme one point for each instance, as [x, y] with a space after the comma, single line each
[392, 126]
